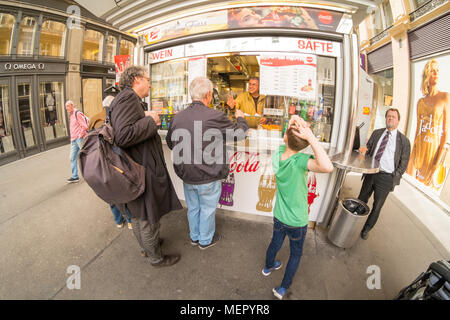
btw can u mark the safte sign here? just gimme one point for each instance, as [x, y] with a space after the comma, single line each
[319, 47]
[167, 54]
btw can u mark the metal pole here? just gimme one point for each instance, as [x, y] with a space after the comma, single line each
[348, 148]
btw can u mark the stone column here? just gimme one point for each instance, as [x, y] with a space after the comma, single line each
[401, 63]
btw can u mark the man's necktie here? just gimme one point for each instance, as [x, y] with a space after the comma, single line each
[382, 146]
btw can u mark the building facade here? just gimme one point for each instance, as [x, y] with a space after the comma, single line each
[405, 47]
[51, 52]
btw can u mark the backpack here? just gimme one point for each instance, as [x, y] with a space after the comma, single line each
[109, 170]
[84, 117]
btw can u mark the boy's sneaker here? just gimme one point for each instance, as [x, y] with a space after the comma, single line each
[130, 226]
[279, 292]
[194, 242]
[120, 225]
[72, 180]
[277, 265]
[214, 240]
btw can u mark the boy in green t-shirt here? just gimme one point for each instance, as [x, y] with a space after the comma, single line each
[291, 207]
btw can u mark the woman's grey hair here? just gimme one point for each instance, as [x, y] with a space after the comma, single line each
[128, 75]
[199, 88]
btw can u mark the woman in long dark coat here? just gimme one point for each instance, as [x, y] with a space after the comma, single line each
[135, 130]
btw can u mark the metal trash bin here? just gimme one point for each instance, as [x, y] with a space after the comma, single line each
[348, 222]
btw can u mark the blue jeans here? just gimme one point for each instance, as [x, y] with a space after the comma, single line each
[118, 215]
[296, 238]
[75, 147]
[202, 200]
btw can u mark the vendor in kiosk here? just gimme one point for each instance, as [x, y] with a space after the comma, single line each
[250, 102]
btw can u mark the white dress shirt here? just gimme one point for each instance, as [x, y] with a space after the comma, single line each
[387, 163]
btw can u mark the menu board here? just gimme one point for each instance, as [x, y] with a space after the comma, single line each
[291, 75]
[197, 68]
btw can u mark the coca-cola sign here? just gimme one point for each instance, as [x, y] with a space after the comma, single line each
[325, 17]
[244, 161]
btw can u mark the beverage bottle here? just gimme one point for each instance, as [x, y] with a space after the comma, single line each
[285, 126]
[226, 196]
[292, 107]
[164, 122]
[304, 112]
[310, 112]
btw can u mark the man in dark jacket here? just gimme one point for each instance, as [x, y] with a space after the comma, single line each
[390, 150]
[197, 136]
[135, 130]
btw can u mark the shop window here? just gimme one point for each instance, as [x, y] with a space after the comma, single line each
[6, 27]
[169, 85]
[383, 97]
[111, 44]
[25, 111]
[93, 45]
[314, 102]
[126, 48]
[109, 82]
[52, 110]
[26, 36]
[52, 42]
[6, 140]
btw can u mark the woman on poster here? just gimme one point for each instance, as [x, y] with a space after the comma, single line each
[432, 127]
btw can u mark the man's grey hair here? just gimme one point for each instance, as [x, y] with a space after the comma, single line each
[254, 78]
[129, 74]
[199, 88]
[69, 102]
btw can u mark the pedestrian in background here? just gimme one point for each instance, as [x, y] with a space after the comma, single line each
[119, 218]
[291, 207]
[202, 181]
[78, 128]
[136, 131]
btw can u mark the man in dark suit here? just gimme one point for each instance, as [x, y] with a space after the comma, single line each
[390, 150]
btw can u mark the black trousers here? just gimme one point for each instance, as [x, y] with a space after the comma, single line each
[380, 184]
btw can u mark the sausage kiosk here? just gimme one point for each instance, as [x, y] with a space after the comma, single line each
[307, 59]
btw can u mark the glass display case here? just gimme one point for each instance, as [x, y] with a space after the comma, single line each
[169, 86]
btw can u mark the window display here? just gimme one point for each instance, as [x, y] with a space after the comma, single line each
[169, 86]
[52, 110]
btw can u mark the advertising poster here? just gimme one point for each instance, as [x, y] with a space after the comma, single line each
[289, 75]
[122, 62]
[251, 17]
[287, 17]
[211, 21]
[365, 105]
[428, 131]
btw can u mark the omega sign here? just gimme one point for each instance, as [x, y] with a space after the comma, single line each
[24, 66]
